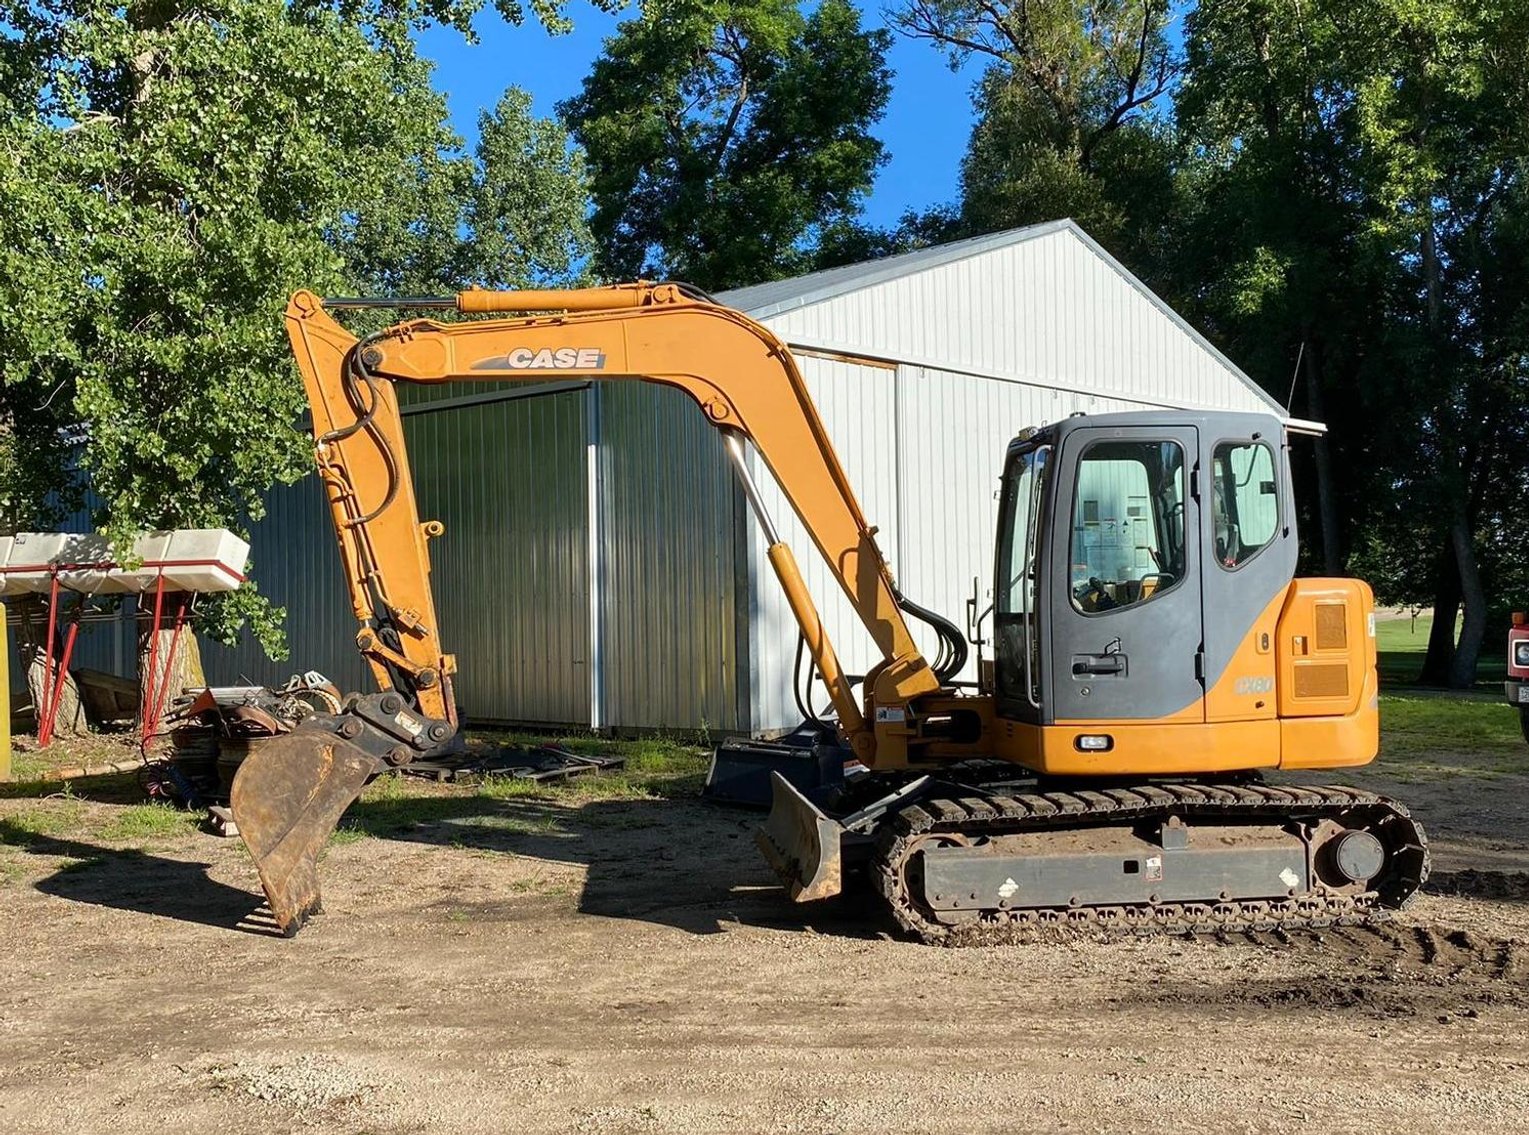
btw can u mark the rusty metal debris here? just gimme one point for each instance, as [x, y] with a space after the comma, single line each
[214, 730]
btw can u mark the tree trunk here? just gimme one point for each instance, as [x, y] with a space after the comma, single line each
[33, 649]
[182, 669]
[1462, 671]
[70, 721]
[1439, 661]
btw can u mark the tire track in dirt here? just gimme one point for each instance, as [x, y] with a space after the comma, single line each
[1390, 969]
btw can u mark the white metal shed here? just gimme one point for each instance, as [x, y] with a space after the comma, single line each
[600, 568]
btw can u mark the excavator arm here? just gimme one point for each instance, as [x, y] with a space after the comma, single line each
[287, 799]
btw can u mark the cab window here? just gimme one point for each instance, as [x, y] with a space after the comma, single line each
[1128, 524]
[1244, 501]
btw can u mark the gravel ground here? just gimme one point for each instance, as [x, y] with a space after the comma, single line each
[628, 966]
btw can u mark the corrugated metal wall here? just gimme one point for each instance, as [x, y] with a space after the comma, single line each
[511, 575]
[669, 566]
[1049, 311]
[510, 480]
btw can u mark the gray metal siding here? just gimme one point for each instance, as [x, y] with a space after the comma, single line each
[510, 574]
[667, 529]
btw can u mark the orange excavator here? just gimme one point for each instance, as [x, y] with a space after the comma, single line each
[1152, 649]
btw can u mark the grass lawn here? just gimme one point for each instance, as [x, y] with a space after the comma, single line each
[1427, 736]
[1401, 644]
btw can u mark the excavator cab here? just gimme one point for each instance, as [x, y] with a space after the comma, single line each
[1148, 621]
[1138, 558]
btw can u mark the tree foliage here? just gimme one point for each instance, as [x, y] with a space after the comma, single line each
[1067, 109]
[726, 137]
[171, 173]
[1355, 199]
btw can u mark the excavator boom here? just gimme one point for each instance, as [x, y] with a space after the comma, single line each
[287, 799]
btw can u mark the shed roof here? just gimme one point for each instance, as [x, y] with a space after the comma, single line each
[778, 297]
[760, 301]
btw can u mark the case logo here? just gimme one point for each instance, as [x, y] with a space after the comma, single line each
[548, 358]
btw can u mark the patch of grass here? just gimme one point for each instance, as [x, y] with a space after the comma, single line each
[28, 768]
[513, 788]
[1405, 634]
[392, 787]
[348, 832]
[1402, 643]
[507, 824]
[1433, 737]
[29, 763]
[51, 816]
[73, 866]
[656, 768]
[406, 805]
[149, 821]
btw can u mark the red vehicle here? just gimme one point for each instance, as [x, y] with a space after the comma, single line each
[1517, 685]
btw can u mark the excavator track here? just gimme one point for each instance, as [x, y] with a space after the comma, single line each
[970, 820]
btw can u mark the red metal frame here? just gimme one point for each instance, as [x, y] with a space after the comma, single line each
[155, 688]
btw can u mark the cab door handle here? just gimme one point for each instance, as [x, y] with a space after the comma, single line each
[1099, 664]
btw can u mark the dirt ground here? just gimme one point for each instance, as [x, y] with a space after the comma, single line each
[627, 965]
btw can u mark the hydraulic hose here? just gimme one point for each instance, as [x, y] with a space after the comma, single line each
[953, 651]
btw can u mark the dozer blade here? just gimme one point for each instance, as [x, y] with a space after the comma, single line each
[287, 798]
[801, 844]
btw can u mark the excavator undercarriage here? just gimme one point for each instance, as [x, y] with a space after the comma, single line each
[965, 859]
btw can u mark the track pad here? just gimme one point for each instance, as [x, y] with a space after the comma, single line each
[287, 798]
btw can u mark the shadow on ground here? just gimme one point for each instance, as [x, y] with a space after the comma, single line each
[134, 880]
[675, 862]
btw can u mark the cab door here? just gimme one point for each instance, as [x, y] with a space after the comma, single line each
[1123, 590]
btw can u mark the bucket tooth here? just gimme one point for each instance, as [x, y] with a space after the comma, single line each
[287, 798]
[802, 844]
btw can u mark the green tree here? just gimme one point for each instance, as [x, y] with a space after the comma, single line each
[1068, 110]
[172, 173]
[725, 136]
[1354, 200]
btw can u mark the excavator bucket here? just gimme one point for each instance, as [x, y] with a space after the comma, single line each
[801, 844]
[287, 798]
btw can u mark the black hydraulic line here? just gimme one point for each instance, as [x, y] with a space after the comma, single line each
[355, 367]
[953, 652]
[804, 704]
[690, 291]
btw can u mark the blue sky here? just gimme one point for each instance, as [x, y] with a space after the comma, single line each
[925, 128]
